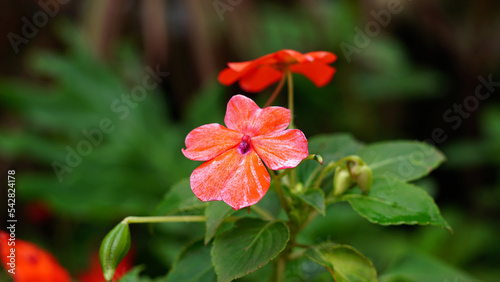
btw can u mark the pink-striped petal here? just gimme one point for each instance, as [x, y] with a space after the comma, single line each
[239, 113]
[247, 184]
[207, 180]
[270, 119]
[208, 141]
[280, 150]
[245, 116]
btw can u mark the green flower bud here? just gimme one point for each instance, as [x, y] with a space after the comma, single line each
[363, 176]
[342, 181]
[318, 158]
[114, 248]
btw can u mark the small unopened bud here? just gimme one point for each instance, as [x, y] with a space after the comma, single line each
[113, 249]
[342, 181]
[318, 158]
[363, 176]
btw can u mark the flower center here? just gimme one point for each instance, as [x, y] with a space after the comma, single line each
[244, 146]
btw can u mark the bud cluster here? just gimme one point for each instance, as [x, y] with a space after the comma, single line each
[354, 172]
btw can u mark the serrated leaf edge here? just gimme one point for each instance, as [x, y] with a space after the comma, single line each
[261, 265]
[445, 224]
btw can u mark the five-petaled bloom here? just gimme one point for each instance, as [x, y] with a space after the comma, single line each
[233, 171]
[256, 75]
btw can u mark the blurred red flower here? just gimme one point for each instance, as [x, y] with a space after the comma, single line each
[31, 262]
[233, 171]
[256, 75]
[94, 272]
[38, 212]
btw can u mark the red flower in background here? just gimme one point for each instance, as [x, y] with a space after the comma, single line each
[256, 75]
[233, 171]
[38, 212]
[31, 262]
[94, 272]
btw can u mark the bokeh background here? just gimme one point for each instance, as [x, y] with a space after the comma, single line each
[414, 77]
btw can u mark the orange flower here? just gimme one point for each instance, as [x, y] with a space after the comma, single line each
[94, 272]
[30, 263]
[233, 171]
[256, 75]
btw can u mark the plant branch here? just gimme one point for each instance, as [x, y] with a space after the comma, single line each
[275, 92]
[162, 219]
[279, 191]
[262, 212]
[332, 165]
[290, 98]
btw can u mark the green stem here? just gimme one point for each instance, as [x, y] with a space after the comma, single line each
[315, 213]
[292, 124]
[297, 254]
[325, 170]
[310, 218]
[275, 92]
[279, 269]
[159, 219]
[290, 97]
[279, 191]
[315, 157]
[265, 214]
[331, 166]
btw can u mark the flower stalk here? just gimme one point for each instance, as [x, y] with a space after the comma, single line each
[276, 91]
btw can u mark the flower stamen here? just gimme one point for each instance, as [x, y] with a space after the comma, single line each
[244, 146]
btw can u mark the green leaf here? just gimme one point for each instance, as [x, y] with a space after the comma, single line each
[193, 264]
[418, 267]
[343, 262]
[404, 160]
[393, 202]
[216, 212]
[251, 244]
[315, 198]
[179, 198]
[134, 275]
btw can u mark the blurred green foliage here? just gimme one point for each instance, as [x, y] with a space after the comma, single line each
[140, 161]
[123, 174]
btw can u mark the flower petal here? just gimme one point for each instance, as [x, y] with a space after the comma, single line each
[237, 70]
[289, 56]
[319, 73]
[280, 150]
[244, 116]
[32, 262]
[239, 112]
[261, 77]
[247, 184]
[207, 180]
[228, 76]
[321, 56]
[239, 66]
[270, 119]
[208, 141]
